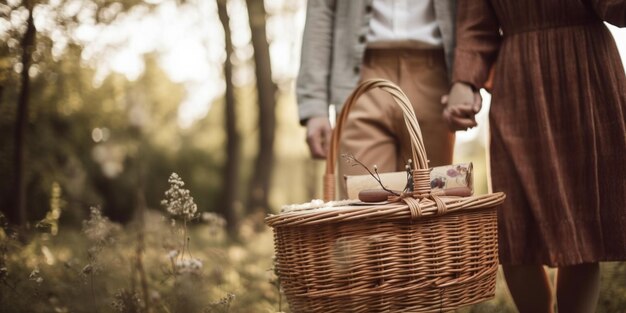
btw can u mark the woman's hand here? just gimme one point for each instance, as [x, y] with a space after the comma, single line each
[462, 104]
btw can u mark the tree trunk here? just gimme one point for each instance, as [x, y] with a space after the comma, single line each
[19, 214]
[258, 190]
[231, 168]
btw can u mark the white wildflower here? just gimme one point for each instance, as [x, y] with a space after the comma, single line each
[178, 201]
[213, 219]
[191, 265]
[99, 228]
[224, 301]
[172, 254]
[35, 276]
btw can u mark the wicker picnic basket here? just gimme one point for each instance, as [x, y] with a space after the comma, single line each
[418, 252]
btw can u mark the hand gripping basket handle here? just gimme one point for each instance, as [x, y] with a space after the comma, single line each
[420, 162]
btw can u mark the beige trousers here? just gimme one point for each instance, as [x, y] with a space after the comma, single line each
[375, 132]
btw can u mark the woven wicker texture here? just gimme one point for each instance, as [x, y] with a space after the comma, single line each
[416, 253]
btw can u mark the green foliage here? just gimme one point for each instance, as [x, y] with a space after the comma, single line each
[98, 140]
[141, 132]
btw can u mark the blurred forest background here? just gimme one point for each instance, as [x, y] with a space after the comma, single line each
[101, 101]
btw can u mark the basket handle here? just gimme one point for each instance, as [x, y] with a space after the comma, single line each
[421, 175]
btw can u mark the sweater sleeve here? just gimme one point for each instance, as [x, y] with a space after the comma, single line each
[478, 42]
[312, 85]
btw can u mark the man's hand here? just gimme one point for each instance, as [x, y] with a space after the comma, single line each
[318, 133]
[462, 104]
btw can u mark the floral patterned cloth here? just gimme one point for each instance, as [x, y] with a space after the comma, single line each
[449, 180]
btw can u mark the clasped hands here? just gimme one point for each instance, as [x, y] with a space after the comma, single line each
[461, 106]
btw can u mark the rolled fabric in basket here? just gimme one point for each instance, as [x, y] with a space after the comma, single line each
[447, 180]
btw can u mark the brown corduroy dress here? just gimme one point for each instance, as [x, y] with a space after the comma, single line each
[558, 124]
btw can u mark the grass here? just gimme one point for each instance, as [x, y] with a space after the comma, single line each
[95, 270]
[180, 262]
[77, 272]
